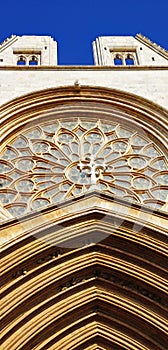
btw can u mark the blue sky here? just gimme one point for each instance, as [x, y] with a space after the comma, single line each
[76, 23]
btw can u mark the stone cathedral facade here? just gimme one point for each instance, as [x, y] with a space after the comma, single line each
[84, 196]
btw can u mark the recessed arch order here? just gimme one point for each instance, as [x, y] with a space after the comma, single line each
[29, 108]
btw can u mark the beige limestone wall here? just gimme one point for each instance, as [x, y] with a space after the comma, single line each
[147, 83]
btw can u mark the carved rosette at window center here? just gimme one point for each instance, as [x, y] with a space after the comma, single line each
[86, 171]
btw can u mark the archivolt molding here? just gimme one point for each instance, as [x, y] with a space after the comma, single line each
[76, 231]
[130, 317]
[23, 110]
[95, 346]
[46, 278]
[57, 290]
[99, 332]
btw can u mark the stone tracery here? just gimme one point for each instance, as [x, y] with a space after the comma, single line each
[62, 159]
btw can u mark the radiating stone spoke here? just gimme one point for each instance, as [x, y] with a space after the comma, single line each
[33, 133]
[162, 179]
[17, 210]
[141, 183]
[137, 162]
[5, 167]
[50, 127]
[7, 197]
[25, 164]
[119, 146]
[24, 185]
[20, 142]
[40, 147]
[40, 203]
[9, 154]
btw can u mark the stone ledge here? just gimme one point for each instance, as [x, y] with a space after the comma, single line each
[83, 68]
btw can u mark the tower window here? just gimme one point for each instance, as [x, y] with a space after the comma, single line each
[21, 61]
[129, 60]
[33, 61]
[118, 60]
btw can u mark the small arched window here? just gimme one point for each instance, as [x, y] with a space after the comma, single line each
[21, 61]
[129, 60]
[118, 60]
[33, 61]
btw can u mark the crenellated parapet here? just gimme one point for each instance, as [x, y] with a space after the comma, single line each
[152, 45]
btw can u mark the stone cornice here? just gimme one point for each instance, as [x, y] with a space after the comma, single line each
[83, 68]
[94, 201]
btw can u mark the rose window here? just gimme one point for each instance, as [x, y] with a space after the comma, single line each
[59, 160]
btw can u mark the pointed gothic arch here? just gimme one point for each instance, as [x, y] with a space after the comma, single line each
[83, 272]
